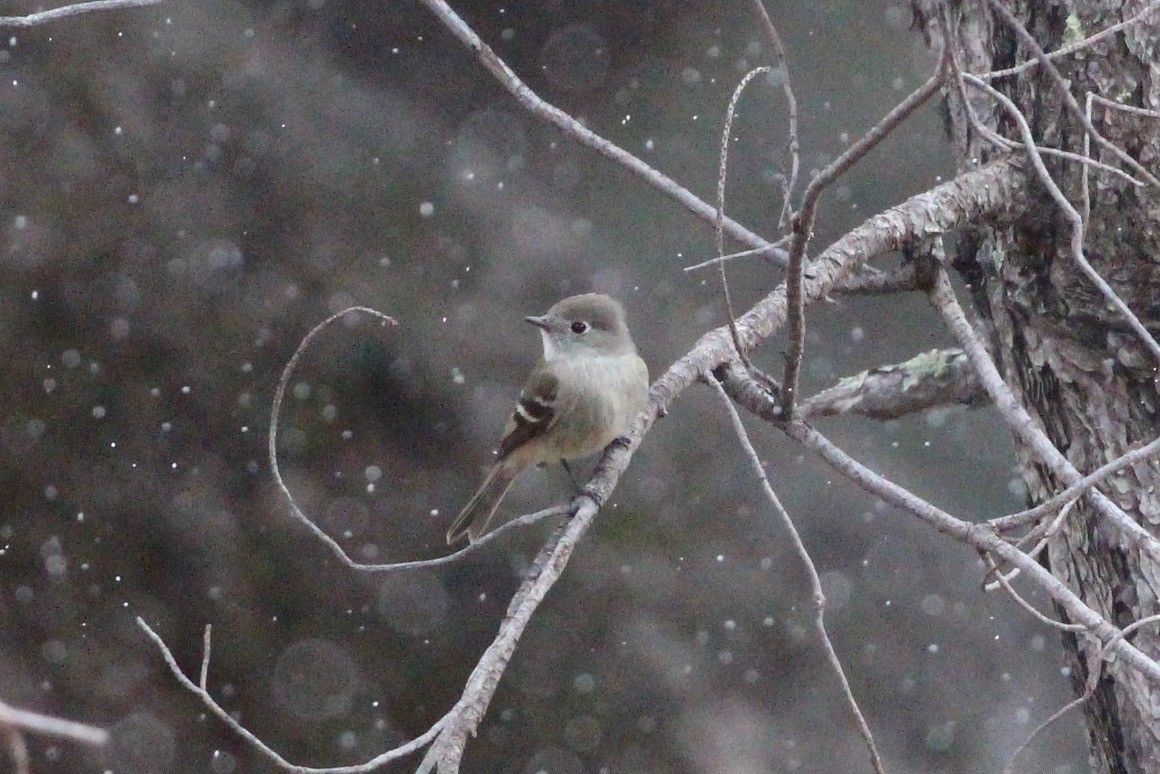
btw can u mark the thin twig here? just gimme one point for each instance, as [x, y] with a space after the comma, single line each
[536, 105]
[1085, 43]
[211, 704]
[1044, 533]
[1091, 683]
[718, 223]
[318, 532]
[942, 297]
[751, 395]
[819, 597]
[51, 726]
[1084, 183]
[1132, 109]
[1073, 217]
[17, 749]
[791, 107]
[1076, 490]
[206, 643]
[978, 536]
[803, 224]
[1064, 90]
[43, 17]
[773, 249]
[1023, 603]
[1009, 768]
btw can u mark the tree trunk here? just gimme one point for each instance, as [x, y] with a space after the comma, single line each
[1068, 354]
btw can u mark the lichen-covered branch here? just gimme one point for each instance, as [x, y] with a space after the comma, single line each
[941, 377]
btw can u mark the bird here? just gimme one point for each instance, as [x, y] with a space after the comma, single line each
[586, 390]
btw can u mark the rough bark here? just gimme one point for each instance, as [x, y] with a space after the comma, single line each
[1059, 344]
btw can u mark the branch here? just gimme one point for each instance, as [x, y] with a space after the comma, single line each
[719, 223]
[942, 297]
[753, 397]
[46, 724]
[791, 107]
[940, 377]
[1085, 43]
[272, 455]
[1076, 490]
[1093, 680]
[978, 536]
[211, 704]
[815, 582]
[447, 751]
[534, 104]
[1073, 217]
[1064, 90]
[803, 225]
[988, 193]
[43, 17]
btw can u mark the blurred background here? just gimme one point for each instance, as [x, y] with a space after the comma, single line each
[185, 190]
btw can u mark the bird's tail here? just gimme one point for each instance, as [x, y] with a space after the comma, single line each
[476, 515]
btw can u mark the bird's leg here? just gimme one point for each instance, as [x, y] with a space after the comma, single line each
[568, 470]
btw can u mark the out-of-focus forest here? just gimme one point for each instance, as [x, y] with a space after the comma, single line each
[185, 190]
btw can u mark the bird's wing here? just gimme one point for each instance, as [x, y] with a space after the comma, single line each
[535, 411]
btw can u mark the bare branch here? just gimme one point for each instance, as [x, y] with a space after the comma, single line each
[1023, 603]
[1132, 109]
[753, 397]
[51, 726]
[978, 536]
[773, 249]
[791, 108]
[1076, 490]
[803, 225]
[206, 643]
[211, 704]
[819, 597]
[1009, 768]
[1016, 417]
[17, 749]
[43, 17]
[535, 105]
[447, 751]
[1087, 42]
[718, 223]
[1092, 681]
[1044, 533]
[989, 193]
[940, 377]
[1065, 92]
[272, 453]
[1073, 217]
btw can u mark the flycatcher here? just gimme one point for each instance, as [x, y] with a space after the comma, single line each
[584, 393]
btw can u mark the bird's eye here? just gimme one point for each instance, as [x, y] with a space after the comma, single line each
[579, 326]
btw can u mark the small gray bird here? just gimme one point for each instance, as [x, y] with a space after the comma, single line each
[584, 393]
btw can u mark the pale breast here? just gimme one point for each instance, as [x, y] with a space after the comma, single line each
[599, 398]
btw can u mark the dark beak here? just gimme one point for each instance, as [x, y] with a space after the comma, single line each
[539, 322]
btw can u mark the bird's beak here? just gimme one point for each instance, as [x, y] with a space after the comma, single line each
[540, 322]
